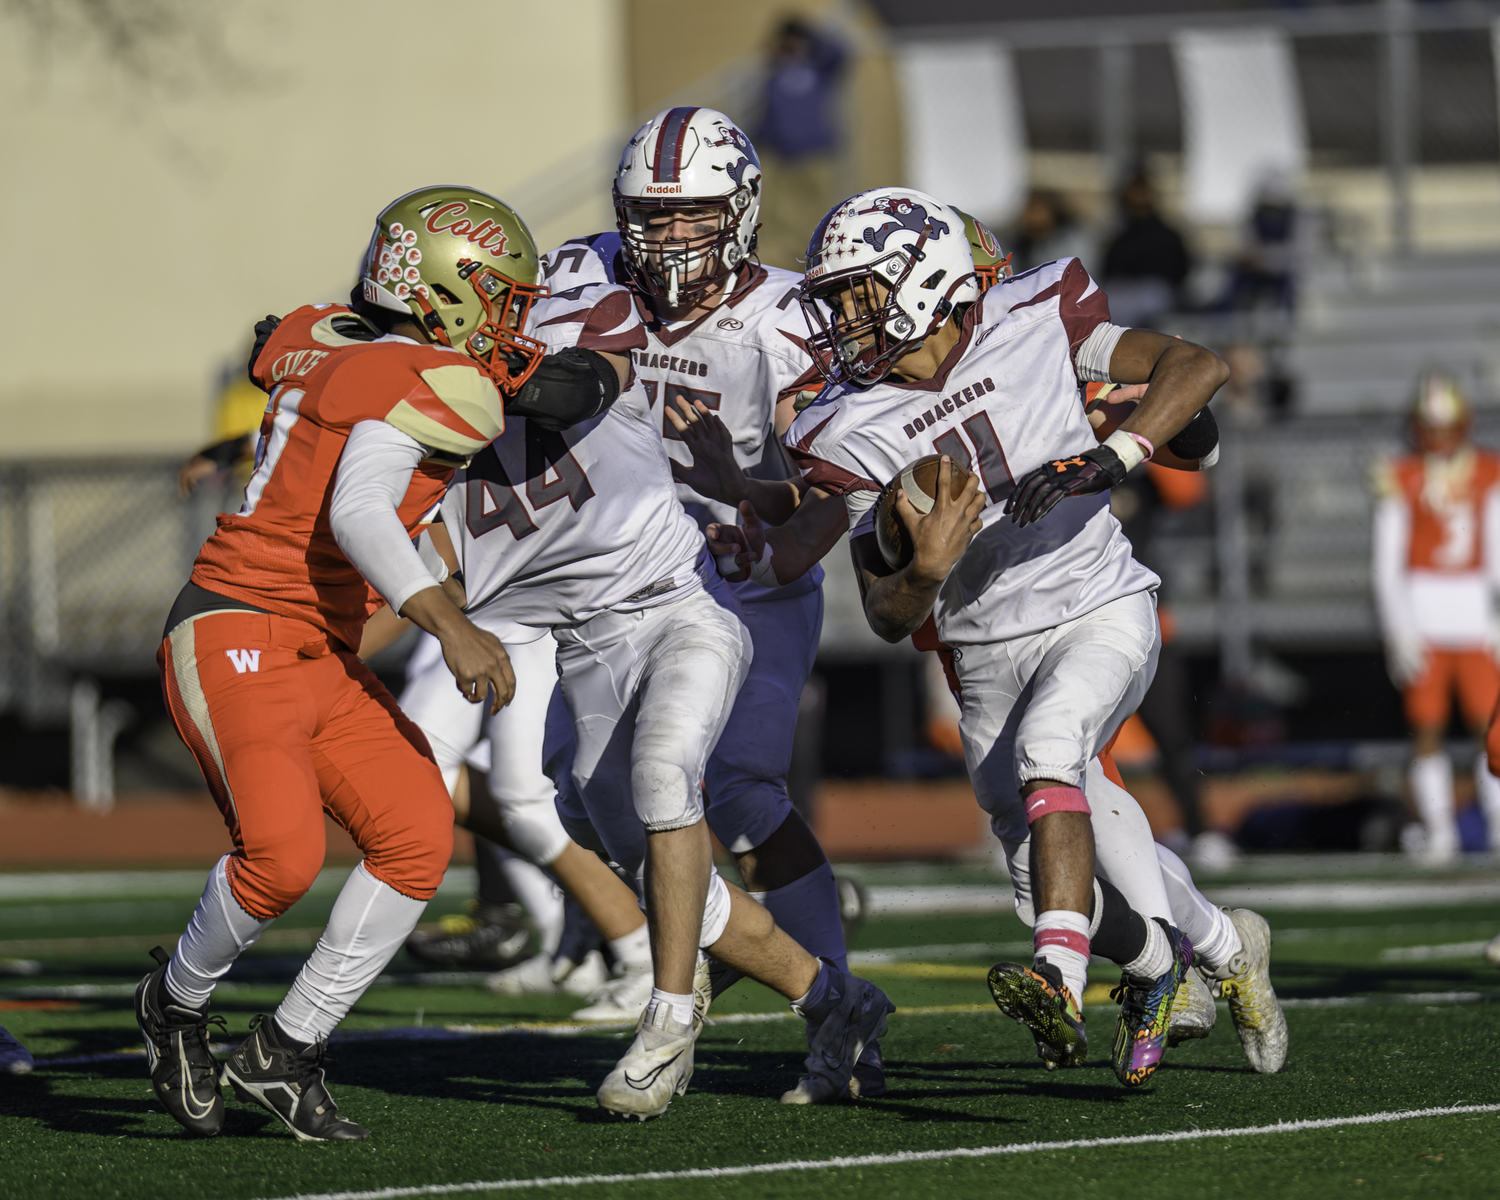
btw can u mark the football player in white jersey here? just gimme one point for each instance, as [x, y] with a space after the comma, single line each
[728, 335]
[581, 531]
[1051, 620]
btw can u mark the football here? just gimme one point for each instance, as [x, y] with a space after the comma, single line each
[919, 481]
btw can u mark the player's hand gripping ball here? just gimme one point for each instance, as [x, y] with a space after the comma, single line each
[919, 481]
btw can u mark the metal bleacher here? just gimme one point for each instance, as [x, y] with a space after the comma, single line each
[1362, 332]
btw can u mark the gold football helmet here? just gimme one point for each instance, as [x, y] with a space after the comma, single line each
[989, 265]
[463, 264]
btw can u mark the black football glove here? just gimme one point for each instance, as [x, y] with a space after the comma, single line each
[263, 331]
[1037, 492]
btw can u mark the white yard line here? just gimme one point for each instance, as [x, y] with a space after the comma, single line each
[898, 1159]
[1428, 953]
[1341, 896]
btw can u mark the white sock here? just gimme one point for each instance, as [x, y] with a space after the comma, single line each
[1487, 787]
[1214, 937]
[1432, 793]
[1155, 958]
[540, 896]
[219, 930]
[1061, 937]
[808, 909]
[681, 1006]
[632, 951]
[369, 923]
[1124, 850]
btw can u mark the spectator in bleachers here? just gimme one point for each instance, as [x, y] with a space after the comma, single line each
[798, 139]
[1046, 231]
[1147, 261]
[1264, 274]
[1437, 572]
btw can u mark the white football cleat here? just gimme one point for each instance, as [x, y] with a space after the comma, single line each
[657, 1067]
[621, 999]
[703, 988]
[1213, 852]
[1193, 1011]
[1492, 951]
[536, 976]
[587, 977]
[1245, 981]
[836, 1044]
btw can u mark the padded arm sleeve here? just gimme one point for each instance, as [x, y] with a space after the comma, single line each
[569, 386]
[1197, 438]
[1091, 359]
[374, 472]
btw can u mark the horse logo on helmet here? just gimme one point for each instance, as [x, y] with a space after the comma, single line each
[905, 213]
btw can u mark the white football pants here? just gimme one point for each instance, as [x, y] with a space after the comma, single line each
[1042, 706]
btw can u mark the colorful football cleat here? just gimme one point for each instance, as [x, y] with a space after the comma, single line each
[1145, 1014]
[1038, 999]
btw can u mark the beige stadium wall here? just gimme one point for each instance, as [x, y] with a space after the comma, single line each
[169, 186]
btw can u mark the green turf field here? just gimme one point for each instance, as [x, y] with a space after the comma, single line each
[454, 1093]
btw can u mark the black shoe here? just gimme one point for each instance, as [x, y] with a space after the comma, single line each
[184, 1075]
[286, 1078]
[496, 936]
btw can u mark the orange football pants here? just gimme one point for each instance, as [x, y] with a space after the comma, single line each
[1473, 674]
[285, 725]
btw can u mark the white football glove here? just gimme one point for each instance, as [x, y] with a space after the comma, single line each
[1405, 658]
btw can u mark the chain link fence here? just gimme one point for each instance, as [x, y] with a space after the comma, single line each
[92, 554]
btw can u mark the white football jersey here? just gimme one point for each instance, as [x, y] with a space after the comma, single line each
[1006, 400]
[738, 360]
[552, 528]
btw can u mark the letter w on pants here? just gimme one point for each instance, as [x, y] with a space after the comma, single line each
[244, 660]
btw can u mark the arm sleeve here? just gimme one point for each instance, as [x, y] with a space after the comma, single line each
[1391, 535]
[1091, 358]
[374, 472]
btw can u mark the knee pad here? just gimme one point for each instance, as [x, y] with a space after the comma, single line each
[665, 799]
[413, 862]
[715, 912]
[1054, 799]
[746, 813]
[535, 830]
[268, 885]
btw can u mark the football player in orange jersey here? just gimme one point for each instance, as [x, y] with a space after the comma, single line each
[1436, 566]
[372, 408]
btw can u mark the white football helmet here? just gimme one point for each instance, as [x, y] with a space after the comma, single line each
[687, 158]
[903, 261]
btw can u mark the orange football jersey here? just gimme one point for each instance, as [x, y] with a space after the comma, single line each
[325, 374]
[1446, 502]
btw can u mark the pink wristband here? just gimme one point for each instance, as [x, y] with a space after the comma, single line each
[1143, 443]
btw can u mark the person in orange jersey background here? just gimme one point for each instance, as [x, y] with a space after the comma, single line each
[1436, 565]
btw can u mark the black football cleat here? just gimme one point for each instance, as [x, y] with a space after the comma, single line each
[268, 1069]
[494, 937]
[184, 1074]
